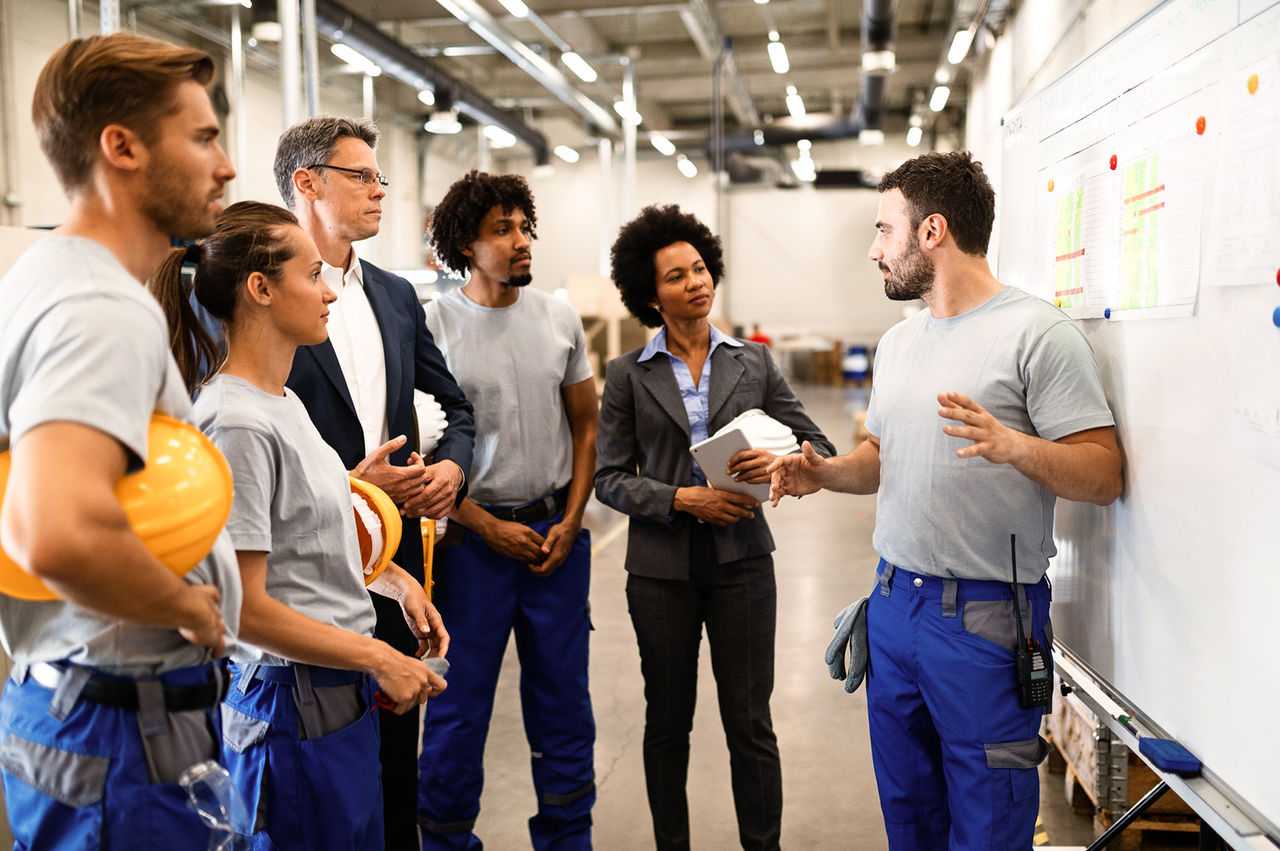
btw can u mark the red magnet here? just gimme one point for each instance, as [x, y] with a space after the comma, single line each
[1113, 162]
[1253, 84]
[1278, 276]
[1050, 184]
[1200, 126]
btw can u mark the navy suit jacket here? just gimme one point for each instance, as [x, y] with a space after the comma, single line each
[413, 361]
[642, 451]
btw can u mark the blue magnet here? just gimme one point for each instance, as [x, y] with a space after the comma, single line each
[1275, 317]
[1107, 313]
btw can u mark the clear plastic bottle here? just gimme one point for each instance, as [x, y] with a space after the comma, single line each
[212, 795]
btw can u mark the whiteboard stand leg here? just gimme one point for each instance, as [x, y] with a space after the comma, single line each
[1130, 816]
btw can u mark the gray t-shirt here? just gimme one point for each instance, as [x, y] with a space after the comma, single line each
[293, 502]
[512, 362]
[81, 340]
[1023, 361]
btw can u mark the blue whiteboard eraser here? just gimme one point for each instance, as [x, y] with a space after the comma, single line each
[1168, 755]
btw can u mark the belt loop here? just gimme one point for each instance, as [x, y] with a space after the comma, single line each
[950, 587]
[68, 691]
[1024, 610]
[310, 723]
[151, 715]
[18, 673]
[248, 673]
[886, 578]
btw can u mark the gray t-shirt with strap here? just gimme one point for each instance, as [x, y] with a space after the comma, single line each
[82, 341]
[1022, 360]
[293, 502]
[512, 362]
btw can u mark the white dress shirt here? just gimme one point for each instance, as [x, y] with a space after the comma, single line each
[357, 341]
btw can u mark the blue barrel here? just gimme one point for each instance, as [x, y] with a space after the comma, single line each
[856, 364]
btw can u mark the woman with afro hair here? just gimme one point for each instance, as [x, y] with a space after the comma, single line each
[695, 555]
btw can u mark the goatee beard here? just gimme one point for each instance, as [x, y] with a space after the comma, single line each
[519, 280]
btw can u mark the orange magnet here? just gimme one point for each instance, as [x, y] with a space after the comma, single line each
[1113, 162]
[1050, 184]
[1200, 125]
[1253, 84]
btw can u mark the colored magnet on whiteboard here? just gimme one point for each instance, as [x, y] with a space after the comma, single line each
[1113, 162]
[1275, 317]
[1278, 276]
[1253, 84]
[1200, 124]
[1107, 313]
[1050, 184]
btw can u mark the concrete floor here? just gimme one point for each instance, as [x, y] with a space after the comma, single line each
[824, 561]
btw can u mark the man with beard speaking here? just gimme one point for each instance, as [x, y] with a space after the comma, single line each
[985, 409]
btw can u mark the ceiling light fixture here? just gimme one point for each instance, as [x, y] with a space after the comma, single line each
[499, 138]
[871, 137]
[663, 145]
[515, 7]
[443, 122]
[579, 66]
[567, 154]
[427, 97]
[626, 112]
[795, 105]
[914, 135]
[356, 60]
[686, 166]
[939, 98]
[778, 55]
[960, 46]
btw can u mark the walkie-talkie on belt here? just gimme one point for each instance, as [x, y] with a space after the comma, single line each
[1031, 661]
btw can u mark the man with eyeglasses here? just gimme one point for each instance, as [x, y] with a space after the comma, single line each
[358, 386]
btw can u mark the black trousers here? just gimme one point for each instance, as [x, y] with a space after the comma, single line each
[399, 751]
[737, 602]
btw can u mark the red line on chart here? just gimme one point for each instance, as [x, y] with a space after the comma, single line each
[1146, 194]
[1073, 255]
[1128, 231]
[1073, 291]
[1151, 209]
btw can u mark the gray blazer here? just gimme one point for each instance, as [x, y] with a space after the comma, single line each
[642, 451]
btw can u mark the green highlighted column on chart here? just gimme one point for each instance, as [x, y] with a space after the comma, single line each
[1068, 255]
[1144, 202]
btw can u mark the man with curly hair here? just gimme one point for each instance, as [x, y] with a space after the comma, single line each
[524, 562]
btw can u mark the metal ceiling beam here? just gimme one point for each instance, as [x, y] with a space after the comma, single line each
[707, 33]
[400, 62]
[487, 27]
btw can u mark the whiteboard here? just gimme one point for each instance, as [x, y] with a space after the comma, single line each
[1172, 594]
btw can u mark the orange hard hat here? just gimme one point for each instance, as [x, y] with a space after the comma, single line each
[378, 527]
[177, 503]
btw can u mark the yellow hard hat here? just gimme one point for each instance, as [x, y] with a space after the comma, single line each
[378, 526]
[177, 503]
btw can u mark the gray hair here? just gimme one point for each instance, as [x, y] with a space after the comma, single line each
[312, 141]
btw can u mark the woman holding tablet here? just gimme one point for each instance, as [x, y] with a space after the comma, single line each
[299, 738]
[695, 555]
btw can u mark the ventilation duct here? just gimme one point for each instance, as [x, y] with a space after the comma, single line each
[878, 24]
[398, 61]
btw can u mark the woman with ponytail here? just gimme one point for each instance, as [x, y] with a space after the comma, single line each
[299, 738]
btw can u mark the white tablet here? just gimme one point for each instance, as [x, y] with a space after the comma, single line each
[713, 456]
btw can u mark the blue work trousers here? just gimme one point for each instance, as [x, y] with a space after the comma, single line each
[315, 793]
[482, 597]
[82, 781]
[955, 754]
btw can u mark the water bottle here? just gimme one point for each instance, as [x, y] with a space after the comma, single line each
[212, 795]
